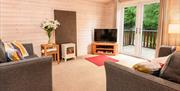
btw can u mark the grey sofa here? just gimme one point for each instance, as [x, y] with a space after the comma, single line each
[121, 78]
[31, 74]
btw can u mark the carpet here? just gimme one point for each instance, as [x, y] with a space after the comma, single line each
[99, 60]
[74, 74]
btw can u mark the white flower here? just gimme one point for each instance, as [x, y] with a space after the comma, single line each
[50, 24]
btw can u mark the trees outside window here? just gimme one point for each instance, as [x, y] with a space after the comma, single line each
[151, 14]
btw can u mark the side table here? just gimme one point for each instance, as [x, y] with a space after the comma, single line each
[51, 50]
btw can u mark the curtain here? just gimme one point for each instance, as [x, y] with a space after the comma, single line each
[169, 13]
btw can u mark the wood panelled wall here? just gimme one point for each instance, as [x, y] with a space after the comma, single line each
[174, 11]
[174, 18]
[110, 12]
[20, 20]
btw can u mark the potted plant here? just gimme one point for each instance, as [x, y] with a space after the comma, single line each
[49, 26]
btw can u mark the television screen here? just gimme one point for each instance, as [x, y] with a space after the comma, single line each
[105, 35]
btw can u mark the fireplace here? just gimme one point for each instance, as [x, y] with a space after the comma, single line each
[68, 51]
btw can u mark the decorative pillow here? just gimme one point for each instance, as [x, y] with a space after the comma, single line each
[3, 57]
[147, 67]
[12, 53]
[160, 60]
[20, 48]
[171, 70]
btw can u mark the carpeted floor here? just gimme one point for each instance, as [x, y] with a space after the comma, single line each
[82, 75]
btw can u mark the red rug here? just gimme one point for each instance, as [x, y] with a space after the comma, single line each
[99, 60]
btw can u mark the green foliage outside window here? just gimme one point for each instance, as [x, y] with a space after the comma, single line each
[129, 17]
[151, 14]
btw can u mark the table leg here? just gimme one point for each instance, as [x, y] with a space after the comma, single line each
[58, 58]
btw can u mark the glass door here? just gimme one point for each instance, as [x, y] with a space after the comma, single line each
[138, 27]
[129, 30]
[149, 29]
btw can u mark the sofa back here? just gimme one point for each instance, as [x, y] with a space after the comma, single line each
[121, 78]
[33, 74]
[29, 48]
[166, 50]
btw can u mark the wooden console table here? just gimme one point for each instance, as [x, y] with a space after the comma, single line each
[51, 50]
[104, 48]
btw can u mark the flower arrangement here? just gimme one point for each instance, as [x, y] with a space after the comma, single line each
[49, 26]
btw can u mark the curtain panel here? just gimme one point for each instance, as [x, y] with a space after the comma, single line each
[168, 9]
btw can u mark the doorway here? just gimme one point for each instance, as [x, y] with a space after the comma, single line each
[138, 22]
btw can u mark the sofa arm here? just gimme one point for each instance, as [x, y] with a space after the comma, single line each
[29, 48]
[33, 74]
[166, 50]
[120, 78]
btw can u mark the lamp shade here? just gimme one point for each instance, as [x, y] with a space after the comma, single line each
[174, 28]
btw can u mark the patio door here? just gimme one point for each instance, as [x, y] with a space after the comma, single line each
[138, 27]
[130, 35]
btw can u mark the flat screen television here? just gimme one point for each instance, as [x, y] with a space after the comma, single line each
[105, 35]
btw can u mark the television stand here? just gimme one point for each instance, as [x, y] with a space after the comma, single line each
[104, 48]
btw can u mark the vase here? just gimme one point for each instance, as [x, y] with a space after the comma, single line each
[49, 37]
[49, 41]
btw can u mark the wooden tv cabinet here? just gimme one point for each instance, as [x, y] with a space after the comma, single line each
[105, 48]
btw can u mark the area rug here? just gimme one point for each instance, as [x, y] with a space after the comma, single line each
[99, 60]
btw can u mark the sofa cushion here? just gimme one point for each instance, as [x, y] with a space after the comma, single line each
[3, 57]
[147, 67]
[171, 70]
[20, 48]
[12, 53]
[161, 60]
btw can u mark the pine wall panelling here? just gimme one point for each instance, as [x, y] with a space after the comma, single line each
[20, 20]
